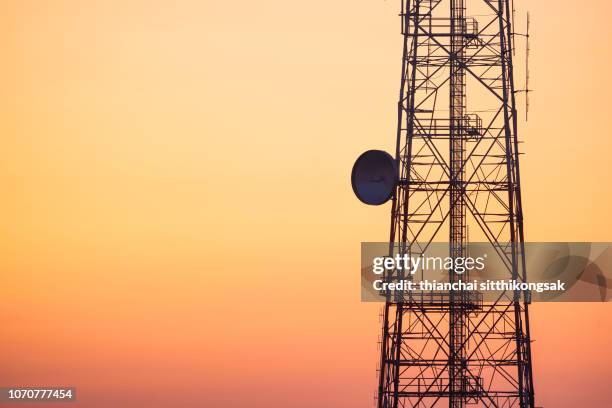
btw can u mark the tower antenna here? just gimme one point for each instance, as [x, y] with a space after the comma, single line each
[527, 51]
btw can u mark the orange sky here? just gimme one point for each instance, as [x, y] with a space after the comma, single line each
[164, 161]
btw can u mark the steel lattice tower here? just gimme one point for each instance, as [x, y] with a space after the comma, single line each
[458, 166]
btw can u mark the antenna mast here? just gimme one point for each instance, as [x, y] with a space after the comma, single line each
[527, 50]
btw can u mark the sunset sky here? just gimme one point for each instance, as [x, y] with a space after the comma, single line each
[164, 163]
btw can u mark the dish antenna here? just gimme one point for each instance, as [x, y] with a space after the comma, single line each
[374, 177]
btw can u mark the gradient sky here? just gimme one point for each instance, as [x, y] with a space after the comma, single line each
[163, 161]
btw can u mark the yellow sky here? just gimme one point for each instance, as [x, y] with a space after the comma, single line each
[151, 149]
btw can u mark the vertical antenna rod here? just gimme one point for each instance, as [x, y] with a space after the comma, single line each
[527, 50]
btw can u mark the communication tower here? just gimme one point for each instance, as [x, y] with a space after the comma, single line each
[456, 164]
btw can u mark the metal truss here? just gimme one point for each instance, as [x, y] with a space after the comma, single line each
[458, 159]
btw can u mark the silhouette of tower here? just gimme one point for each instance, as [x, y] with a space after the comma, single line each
[458, 164]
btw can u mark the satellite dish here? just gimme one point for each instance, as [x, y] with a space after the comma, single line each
[374, 177]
